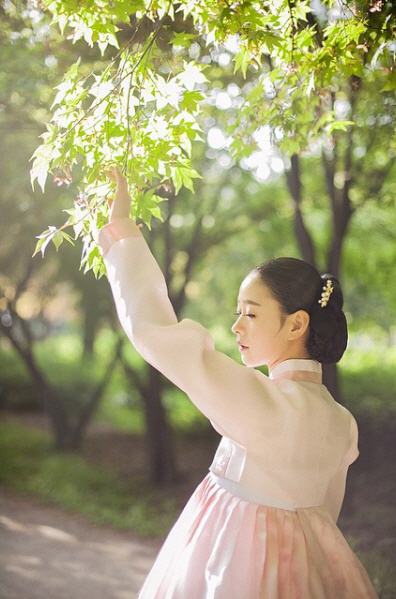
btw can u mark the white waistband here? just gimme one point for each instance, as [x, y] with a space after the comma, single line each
[249, 495]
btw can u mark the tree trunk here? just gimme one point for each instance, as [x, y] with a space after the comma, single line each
[52, 406]
[304, 239]
[89, 331]
[67, 431]
[161, 461]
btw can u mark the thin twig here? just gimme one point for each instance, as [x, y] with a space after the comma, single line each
[345, 5]
[117, 85]
[292, 28]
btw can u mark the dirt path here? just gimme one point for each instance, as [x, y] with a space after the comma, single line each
[46, 553]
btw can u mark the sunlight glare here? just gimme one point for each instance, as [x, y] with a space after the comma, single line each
[216, 138]
[223, 101]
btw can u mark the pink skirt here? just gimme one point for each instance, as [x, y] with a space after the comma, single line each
[224, 547]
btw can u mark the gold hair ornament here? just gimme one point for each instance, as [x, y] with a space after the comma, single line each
[326, 293]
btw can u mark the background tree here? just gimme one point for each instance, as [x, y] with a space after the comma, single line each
[29, 287]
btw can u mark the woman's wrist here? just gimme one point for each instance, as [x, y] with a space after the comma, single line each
[118, 213]
[121, 205]
[114, 231]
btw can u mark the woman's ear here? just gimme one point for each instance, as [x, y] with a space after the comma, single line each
[299, 323]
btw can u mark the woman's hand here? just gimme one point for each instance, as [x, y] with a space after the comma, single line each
[122, 200]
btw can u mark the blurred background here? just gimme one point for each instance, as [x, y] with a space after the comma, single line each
[84, 423]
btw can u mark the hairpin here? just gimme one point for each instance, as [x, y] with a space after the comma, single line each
[326, 293]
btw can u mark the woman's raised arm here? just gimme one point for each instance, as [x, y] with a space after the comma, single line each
[235, 398]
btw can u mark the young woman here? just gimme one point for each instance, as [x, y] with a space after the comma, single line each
[262, 524]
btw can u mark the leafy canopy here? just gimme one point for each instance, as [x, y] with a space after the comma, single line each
[141, 105]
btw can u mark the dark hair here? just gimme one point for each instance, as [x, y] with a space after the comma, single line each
[297, 285]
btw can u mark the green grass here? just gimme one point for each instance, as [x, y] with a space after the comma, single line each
[377, 552]
[67, 480]
[381, 569]
[117, 411]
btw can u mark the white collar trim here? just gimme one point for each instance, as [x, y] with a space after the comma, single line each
[296, 365]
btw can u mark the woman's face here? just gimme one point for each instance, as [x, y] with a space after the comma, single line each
[262, 336]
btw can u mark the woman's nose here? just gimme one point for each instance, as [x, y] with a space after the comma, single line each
[236, 327]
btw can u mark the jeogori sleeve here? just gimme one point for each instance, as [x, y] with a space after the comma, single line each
[237, 399]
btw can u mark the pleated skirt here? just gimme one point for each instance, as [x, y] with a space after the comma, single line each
[224, 547]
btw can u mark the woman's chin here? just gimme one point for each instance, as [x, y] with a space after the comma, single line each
[251, 362]
[248, 360]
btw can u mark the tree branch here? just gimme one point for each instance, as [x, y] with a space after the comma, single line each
[378, 177]
[292, 28]
[133, 376]
[313, 22]
[90, 407]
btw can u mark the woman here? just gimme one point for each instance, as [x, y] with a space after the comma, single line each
[262, 524]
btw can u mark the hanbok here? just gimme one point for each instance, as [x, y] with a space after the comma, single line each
[262, 524]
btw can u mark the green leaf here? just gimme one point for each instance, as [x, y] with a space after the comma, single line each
[177, 178]
[191, 75]
[390, 85]
[339, 125]
[57, 239]
[242, 59]
[183, 176]
[300, 11]
[182, 39]
[272, 40]
[67, 237]
[191, 99]
[42, 158]
[44, 239]
[41, 245]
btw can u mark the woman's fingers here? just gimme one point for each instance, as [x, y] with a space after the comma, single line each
[120, 203]
[115, 175]
[110, 174]
[120, 178]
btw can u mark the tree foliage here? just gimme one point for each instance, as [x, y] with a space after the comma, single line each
[142, 104]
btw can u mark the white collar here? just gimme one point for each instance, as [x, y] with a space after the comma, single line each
[296, 365]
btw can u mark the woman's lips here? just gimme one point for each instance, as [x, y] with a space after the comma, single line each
[242, 347]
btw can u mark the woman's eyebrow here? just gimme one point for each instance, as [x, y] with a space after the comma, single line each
[250, 302]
